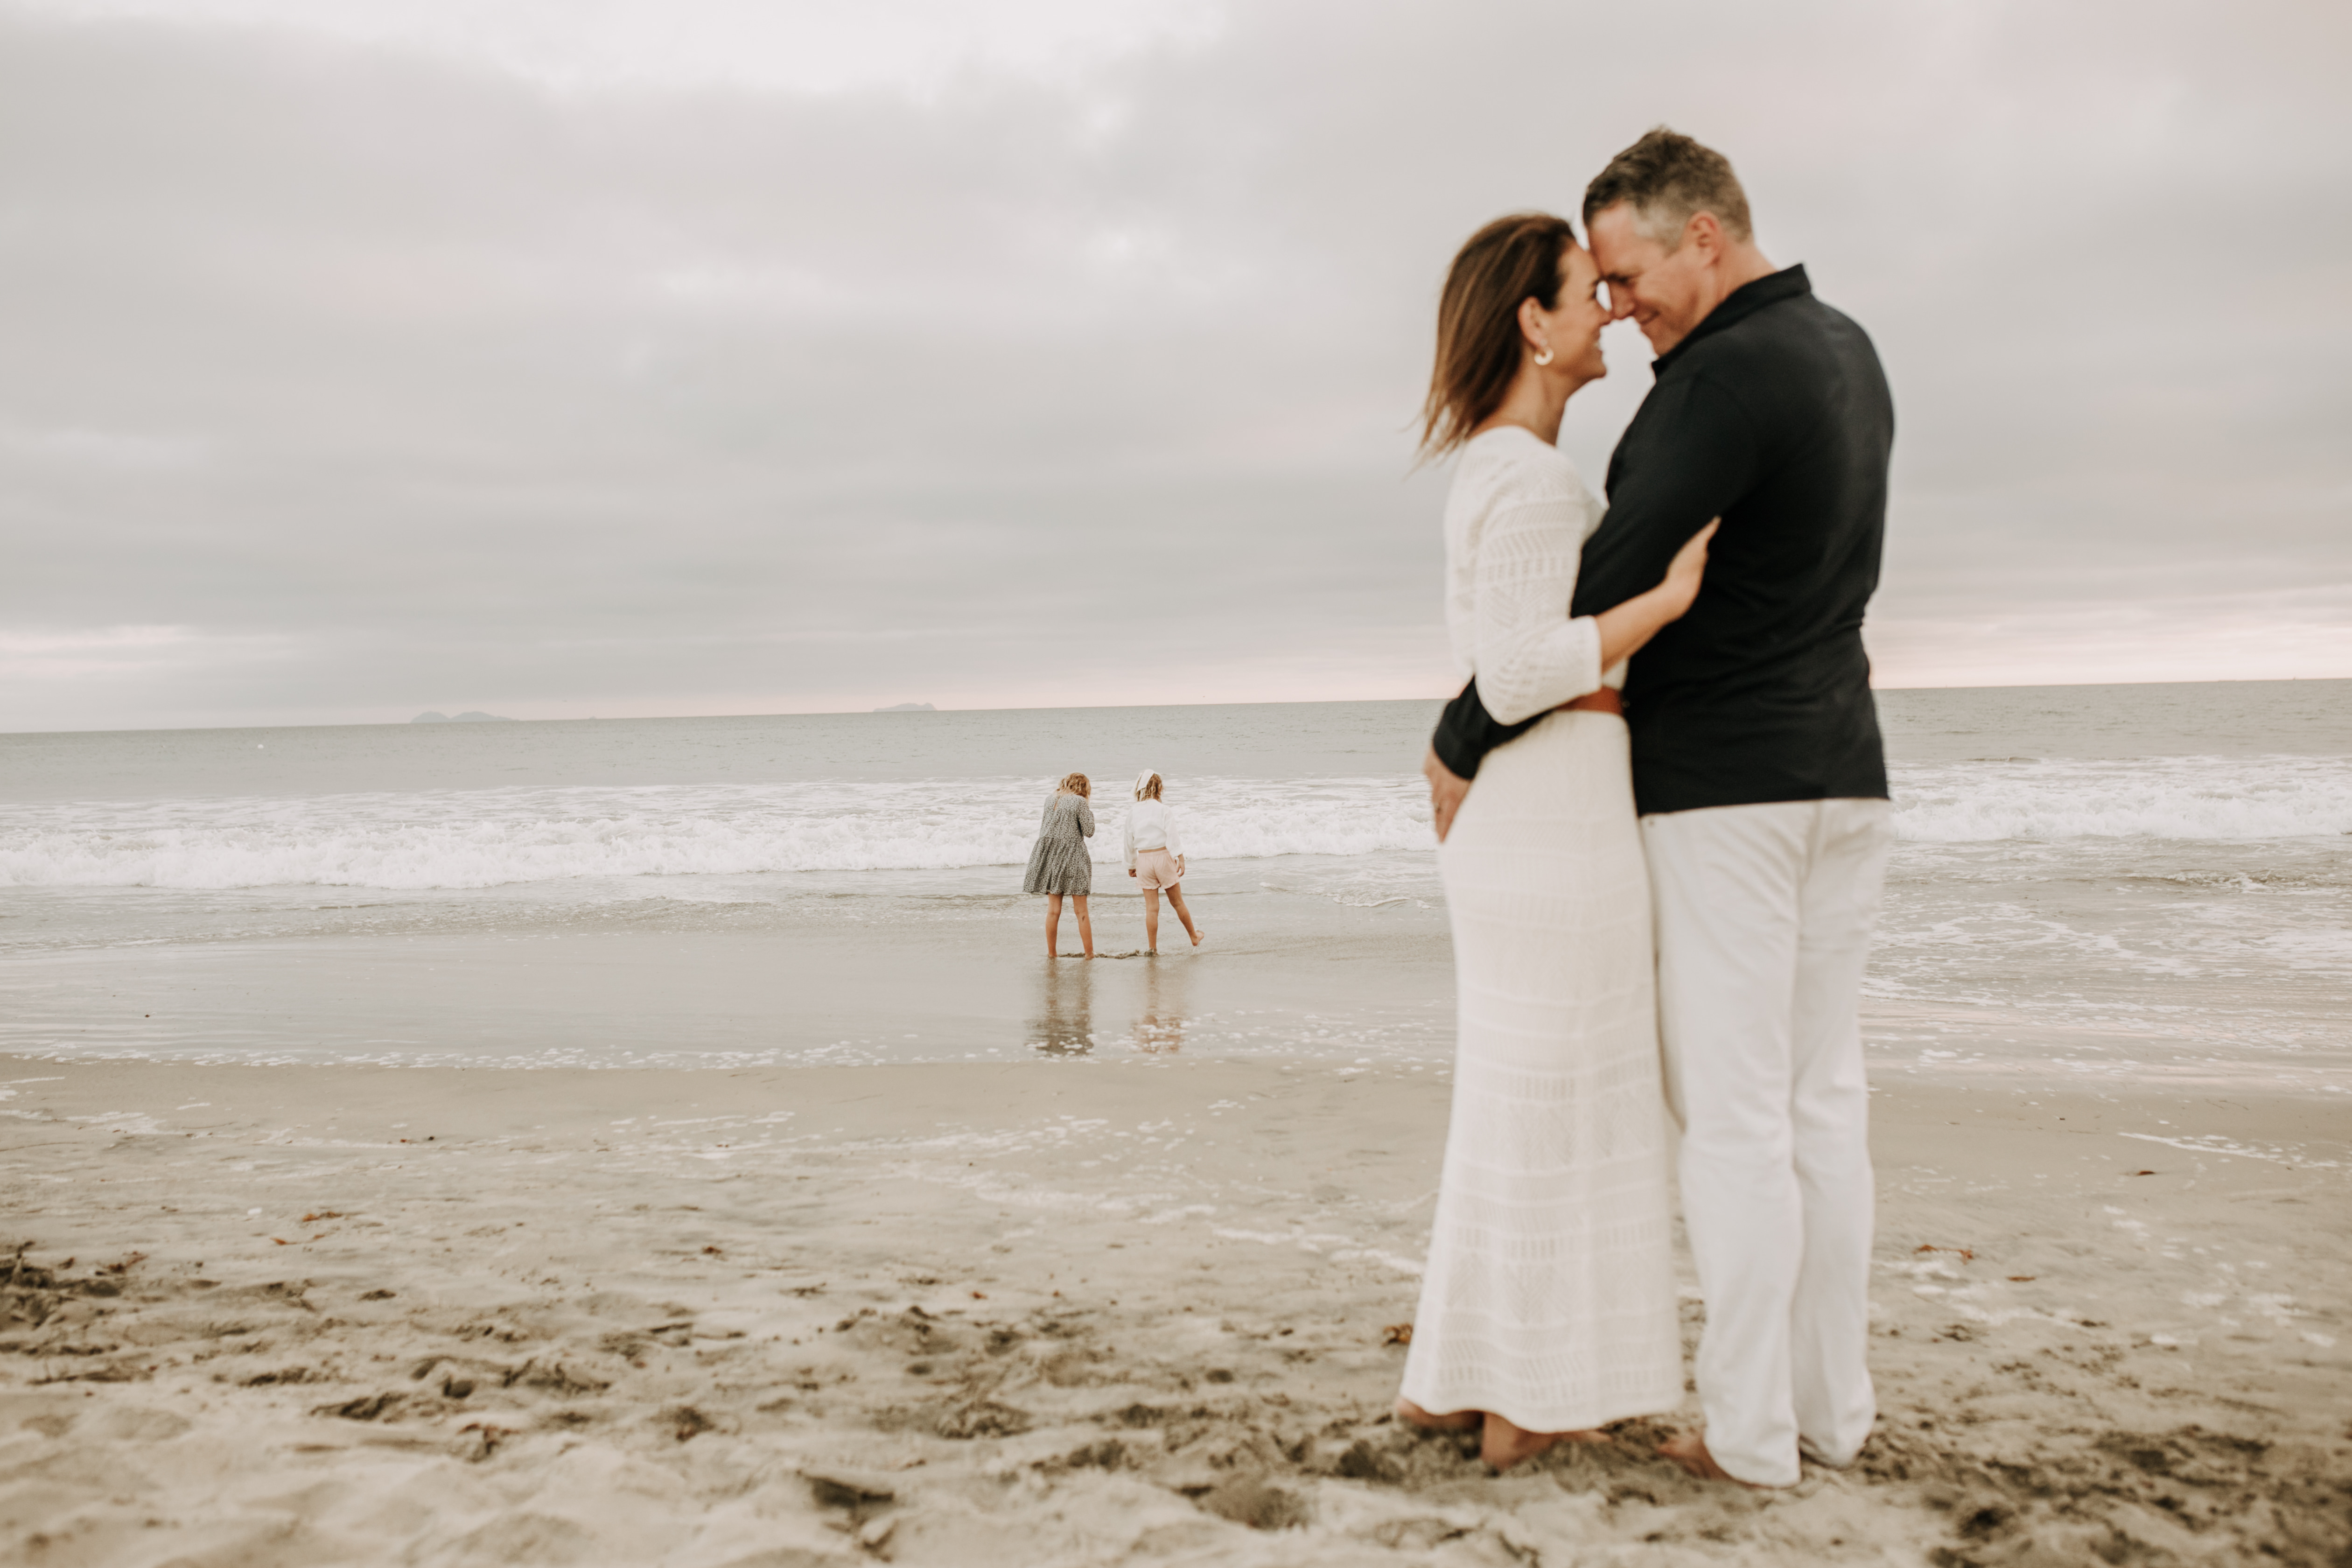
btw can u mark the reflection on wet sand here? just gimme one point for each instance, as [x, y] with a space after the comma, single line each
[1062, 1008]
[1062, 1022]
[1165, 988]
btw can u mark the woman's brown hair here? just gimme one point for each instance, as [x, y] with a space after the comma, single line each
[1077, 784]
[1478, 339]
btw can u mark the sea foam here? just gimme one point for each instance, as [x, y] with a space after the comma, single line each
[488, 837]
[479, 839]
[2210, 799]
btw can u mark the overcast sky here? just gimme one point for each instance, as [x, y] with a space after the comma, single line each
[559, 358]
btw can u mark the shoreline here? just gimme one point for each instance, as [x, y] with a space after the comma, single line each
[1125, 1311]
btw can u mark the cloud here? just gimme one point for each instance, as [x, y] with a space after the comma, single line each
[914, 46]
[681, 360]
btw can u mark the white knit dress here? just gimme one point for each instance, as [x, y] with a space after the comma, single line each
[1550, 1297]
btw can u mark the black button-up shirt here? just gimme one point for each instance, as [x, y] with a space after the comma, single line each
[1774, 416]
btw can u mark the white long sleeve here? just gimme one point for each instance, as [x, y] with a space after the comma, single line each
[1151, 825]
[1515, 520]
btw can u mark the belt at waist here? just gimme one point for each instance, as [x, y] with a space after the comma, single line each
[1605, 700]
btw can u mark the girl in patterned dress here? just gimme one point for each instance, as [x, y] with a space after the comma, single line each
[1058, 865]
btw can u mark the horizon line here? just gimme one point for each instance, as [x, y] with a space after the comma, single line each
[1069, 708]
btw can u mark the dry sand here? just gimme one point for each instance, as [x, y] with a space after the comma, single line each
[1083, 1312]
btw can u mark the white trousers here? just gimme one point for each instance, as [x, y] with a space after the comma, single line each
[1764, 916]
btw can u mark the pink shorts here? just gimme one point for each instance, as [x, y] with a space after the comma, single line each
[1156, 868]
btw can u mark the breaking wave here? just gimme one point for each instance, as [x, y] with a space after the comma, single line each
[488, 837]
[491, 838]
[2197, 798]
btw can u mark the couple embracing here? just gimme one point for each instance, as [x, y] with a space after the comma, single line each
[1663, 815]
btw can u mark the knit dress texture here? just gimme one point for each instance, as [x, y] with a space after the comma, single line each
[1549, 1295]
[1058, 862]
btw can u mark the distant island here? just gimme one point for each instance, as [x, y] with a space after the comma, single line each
[908, 708]
[475, 717]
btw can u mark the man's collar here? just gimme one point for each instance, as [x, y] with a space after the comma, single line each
[1739, 305]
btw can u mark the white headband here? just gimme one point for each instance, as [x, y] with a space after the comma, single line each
[1145, 777]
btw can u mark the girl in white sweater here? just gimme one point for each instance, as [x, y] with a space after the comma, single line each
[1155, 858]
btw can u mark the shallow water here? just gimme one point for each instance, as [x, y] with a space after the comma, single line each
[2146, 882]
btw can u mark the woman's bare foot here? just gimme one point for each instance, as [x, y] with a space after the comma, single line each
[1197, 936]
[1504, 1445]
[1458, 1421]
[1688, 1449]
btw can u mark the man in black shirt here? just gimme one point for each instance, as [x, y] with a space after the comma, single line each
[1760, 780]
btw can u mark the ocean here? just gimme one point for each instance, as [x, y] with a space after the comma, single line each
[2091, 883]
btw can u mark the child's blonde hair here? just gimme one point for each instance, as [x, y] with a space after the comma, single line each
[1076, 784]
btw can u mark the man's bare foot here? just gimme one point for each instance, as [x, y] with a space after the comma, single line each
[1688, 1449]
[1504, 1445]
[1458, 1421]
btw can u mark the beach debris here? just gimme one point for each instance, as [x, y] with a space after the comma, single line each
[367, 1407]
[316, 1215]
[980, 1295]
[485, 1440]
[2023, 1279]
[283, 1375]
[686, 1422]
[1966, 1255]
[1109, 1454]
[983, 1418]
[2143, 1172]
[130, 1261]
[712, 1252]
[553, 1378]
[378, 1295]
[1397, 1334]
[876, 1533]
[849, 1488]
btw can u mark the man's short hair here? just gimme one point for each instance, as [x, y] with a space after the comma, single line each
[1667, 178]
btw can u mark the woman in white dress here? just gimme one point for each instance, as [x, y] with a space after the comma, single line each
[1548, 1308]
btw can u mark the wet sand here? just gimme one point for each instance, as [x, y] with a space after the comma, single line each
[828, 978]
[1075, 1312]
